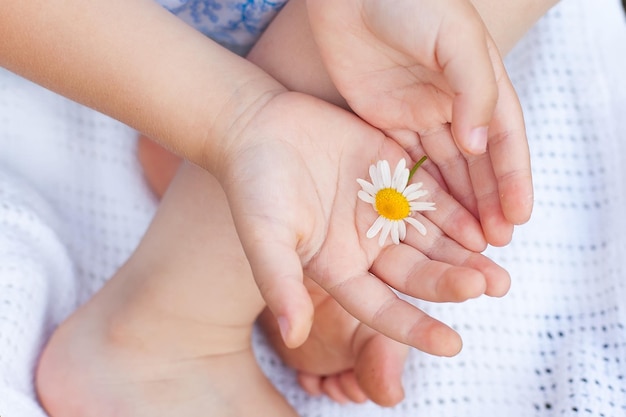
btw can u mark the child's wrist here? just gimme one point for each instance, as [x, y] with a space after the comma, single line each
[223, 137]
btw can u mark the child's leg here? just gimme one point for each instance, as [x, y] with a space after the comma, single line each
[169, 334]
[326, 363]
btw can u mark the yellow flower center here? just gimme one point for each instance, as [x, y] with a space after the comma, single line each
[392, 205]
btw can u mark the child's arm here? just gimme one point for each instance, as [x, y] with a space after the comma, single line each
[135, 61]
[287, 162]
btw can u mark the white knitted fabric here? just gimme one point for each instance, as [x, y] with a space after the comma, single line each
[73, 206]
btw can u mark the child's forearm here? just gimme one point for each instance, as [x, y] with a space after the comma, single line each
[138, 63]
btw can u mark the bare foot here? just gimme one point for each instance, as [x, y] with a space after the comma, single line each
[342, 358]
[99, 364]
[169, 334]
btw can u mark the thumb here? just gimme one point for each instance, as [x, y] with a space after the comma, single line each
[467, 55]
[277, 270]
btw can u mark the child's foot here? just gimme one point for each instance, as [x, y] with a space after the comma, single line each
[96, 367]
[342, 358]
[169, 334]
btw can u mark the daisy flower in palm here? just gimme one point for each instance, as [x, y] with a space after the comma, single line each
[394, 199]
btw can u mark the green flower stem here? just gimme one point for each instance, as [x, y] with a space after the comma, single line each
[416, 166]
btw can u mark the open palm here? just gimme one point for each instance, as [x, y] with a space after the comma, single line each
[293, 194]
[428, 73]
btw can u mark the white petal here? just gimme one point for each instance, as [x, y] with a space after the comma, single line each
[378, 224]
[416, 224]
[411, 188]
[400, 178]
[402, 230]
[366, 197]
[422, 206]
[384, 233]
[395, 233]
[398, 172]
[375, 177]
[367, 187]
[415, 195]
[401, 165]
[385, 173]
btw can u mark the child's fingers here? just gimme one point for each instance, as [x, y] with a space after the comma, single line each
[467, 66]
[450, 216]
[412, 144]
[443, 249]
[277, 270]
[502, 178]
[443, 151]
[472, 181]
[498, 279]
[498, 230]
[372, 302]
[510, 156]
[427, 279]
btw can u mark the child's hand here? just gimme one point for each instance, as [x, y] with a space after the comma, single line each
[412, 67]
[290, 178]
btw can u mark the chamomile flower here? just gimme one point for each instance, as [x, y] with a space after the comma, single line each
[394, 200]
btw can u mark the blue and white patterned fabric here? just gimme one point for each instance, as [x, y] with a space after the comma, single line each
[235, 24]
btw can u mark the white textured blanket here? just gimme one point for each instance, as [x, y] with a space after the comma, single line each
[73, 205]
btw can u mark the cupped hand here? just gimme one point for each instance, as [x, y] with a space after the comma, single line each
[428, 73]
[290, 174]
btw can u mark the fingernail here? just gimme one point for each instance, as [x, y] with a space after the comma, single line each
[283, 325]
[477, 141]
